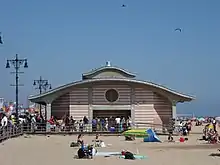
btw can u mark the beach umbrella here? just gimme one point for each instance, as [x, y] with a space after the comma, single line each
[201, 119]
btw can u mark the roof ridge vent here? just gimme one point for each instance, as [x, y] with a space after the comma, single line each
[108, 63]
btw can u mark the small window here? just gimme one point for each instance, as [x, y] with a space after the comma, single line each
[111, 95]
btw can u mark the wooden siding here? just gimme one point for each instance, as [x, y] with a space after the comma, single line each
[148, 106]
[163, 107]
[60, 106]
[143, 96]
[151, 107]
[79, 111]
[144, 113]
[98, 95]
[79, 96]
[79, 103]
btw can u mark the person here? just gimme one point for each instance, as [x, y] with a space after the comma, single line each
[117, 121]
[97, 142]
[188, 126]
[212, 136]
[170, 137]
[80, 139]
[85, 120]
[72, 124]
[214, 124]
[4, 121]
[94, 125]
[81, 126]
[128, 155]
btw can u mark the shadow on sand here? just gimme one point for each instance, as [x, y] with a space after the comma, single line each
[215, 154]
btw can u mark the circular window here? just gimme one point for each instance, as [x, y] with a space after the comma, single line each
[111, 95]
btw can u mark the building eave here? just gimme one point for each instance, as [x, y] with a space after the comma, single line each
[183, 97]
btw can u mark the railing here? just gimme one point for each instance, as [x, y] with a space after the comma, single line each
[10, 132]
[39, 128]
[158, 128]
[42, 128]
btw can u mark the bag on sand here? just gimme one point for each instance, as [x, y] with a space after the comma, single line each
[81, 153]
[129, 155]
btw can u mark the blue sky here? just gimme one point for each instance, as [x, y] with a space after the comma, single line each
[63, 39]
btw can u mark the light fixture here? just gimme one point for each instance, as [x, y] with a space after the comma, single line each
[7, 65]
[25, 64]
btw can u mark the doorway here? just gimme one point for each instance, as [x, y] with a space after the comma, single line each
[111, 113]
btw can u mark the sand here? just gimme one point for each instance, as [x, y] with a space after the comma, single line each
[55, 150]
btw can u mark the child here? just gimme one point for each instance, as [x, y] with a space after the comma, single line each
[170, 138]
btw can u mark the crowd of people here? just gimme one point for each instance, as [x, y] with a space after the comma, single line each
[210, 132]
[96, 124]
[36, 122]
[8, 127]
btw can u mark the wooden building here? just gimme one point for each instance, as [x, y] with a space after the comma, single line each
[112, 91]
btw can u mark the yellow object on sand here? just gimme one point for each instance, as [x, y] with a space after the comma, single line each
[211, 126]
[136, 133]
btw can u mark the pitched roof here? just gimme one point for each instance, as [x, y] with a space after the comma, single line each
[83, 82]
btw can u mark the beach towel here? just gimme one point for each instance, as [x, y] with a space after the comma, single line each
[135, 156]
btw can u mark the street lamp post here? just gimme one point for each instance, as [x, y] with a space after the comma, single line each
[1, 41]
[42, 85]
[17, 63]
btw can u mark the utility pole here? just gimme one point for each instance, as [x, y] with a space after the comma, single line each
[17, 63]
[42, 85]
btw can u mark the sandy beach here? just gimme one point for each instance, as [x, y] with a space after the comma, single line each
[55, 150]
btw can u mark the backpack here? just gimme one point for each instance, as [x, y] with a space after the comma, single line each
[81, 153]
[129, 155]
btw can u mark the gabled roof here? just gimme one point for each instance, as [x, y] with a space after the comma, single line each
[183, 97]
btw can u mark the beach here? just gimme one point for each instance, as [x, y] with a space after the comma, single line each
[56, 150]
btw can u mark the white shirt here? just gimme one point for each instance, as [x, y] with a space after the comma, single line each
[33, 120]
[117, 120]
[4, 121]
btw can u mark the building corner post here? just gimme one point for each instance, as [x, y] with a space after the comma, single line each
[48, 116]
[90, 113]
[174, 114]
[133, 106]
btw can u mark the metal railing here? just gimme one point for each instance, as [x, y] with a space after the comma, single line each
[10, 132]
[71, 129]
[38, 128]
[43, 128]
[160, 128]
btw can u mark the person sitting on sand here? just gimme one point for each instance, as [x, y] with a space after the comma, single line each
[128, 155]
[210, 126]
[97, 142]
[212, 136]
[170, 138]
[80, 139]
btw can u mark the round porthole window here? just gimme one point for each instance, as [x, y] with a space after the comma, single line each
[111, 95]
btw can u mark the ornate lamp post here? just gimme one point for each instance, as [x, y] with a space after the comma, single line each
[42, 85]
[17, 63]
